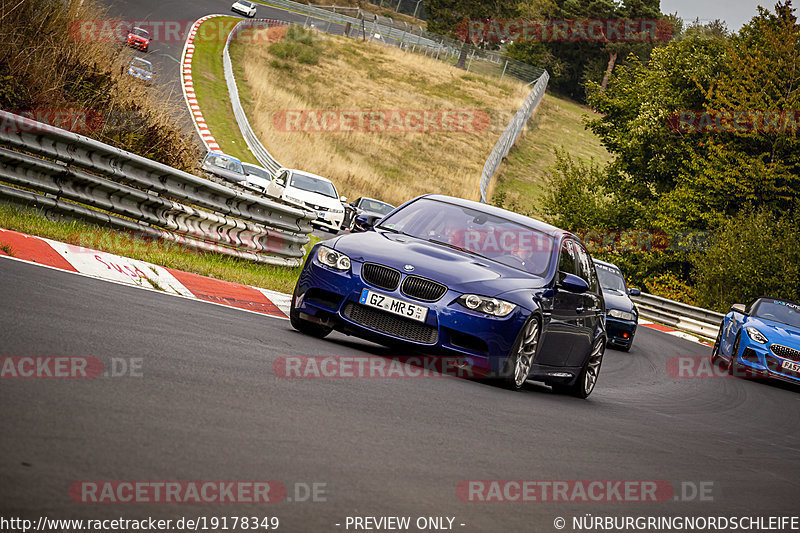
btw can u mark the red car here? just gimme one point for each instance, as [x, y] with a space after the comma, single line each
[139, 38]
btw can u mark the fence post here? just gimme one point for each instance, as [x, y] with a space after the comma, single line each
[504, 70]
[470, 59]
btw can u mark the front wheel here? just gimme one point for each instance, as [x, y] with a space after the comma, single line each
[304, 326]
[715, 353]
[587, 379]
[733, 366]
[520, 361]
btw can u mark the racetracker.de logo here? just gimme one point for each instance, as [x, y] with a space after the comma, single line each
[568, 30]
[701, 367]
[177, 492]
[735, 121]
[373, 367]
[564, 491]
[172, 31]
[382, 121]
[50, 367]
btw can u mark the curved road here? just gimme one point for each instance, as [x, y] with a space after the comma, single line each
[208, 406]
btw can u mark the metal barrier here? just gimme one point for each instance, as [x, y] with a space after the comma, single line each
[683, 317]
[79, 176]
[256, 148]
[512, 133]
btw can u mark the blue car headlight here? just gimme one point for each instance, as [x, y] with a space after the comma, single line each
[622, 315]
[331, 258]
[490, 306]
[756, 335]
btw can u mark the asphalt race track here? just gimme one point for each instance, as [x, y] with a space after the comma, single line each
[207, 405]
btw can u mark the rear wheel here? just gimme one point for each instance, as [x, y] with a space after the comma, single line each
[587, 379]
[519, 363]
[304, 326]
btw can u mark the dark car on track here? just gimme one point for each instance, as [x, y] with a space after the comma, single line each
[622, 316]
[367, 207]
[512, 297]
[761, 339]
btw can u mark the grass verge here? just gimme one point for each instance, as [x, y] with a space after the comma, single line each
[166, 254]
[558, 123]
[315, 76]
[211, 90]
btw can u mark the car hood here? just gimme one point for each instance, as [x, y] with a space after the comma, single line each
[617, 300]
[313, 198]
[776, 332]
[460, 271]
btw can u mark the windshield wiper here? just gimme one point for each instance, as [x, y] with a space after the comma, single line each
[455, 247]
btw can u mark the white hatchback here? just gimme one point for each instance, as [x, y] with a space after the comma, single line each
[248, 9]
[316, 193]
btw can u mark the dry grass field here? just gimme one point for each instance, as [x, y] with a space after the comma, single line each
[288, 86]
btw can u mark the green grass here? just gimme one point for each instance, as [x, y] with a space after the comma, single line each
[162, 253]
[558, 123]
[212, 91]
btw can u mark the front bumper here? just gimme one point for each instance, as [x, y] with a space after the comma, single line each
[620, 332]
[138, 45]
[757, 360]
[332, 297]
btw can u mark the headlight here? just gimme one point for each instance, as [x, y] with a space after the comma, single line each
[331, 258]
[756, 335]
[490, 306]
[622, 315]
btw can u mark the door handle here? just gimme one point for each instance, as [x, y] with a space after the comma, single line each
[580, 310]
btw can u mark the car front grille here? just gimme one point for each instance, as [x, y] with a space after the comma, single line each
[785, 352]
[380, 276]
[422, 289]
[775, 366]
[390, 324]
[316, 207]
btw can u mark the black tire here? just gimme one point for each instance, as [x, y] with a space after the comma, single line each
[733, 366]
[587, 379]
[715, 353]
[303, 326]
[519, 362]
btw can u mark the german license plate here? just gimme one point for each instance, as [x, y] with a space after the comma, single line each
[321, 214]
[790, 365]
[393, 305]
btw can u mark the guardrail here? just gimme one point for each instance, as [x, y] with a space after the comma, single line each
[512, 133]
[683, 317]
[84, 178]
[256, 148]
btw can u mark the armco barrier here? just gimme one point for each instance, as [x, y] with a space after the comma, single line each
[255, 146]
[683, 317]
[78, 176]
[512, 133]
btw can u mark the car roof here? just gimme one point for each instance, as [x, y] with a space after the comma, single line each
[606, 263]
[254, 166]
[374, 200]
[142, 60]
[500, 212]
[224, 156]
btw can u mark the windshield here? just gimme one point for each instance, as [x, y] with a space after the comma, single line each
[225, 163]
[375, 206]
[253, 170]
[308, 183]
[139, 32]
[140, 63]
[610, 278]
[475, 232]
[245, 3]
[778, 311]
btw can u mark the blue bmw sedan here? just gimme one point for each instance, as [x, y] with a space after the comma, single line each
[512, 297]
[761, 339]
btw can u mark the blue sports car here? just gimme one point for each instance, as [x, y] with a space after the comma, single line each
[761, 339]
[512, 297]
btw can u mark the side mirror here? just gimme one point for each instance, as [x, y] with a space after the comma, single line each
[573, 283]
[343, 198]
[364, 222]
[634, 292]
[739, 308]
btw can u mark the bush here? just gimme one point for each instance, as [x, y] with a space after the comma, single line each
[750, 255]
[298, 45]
